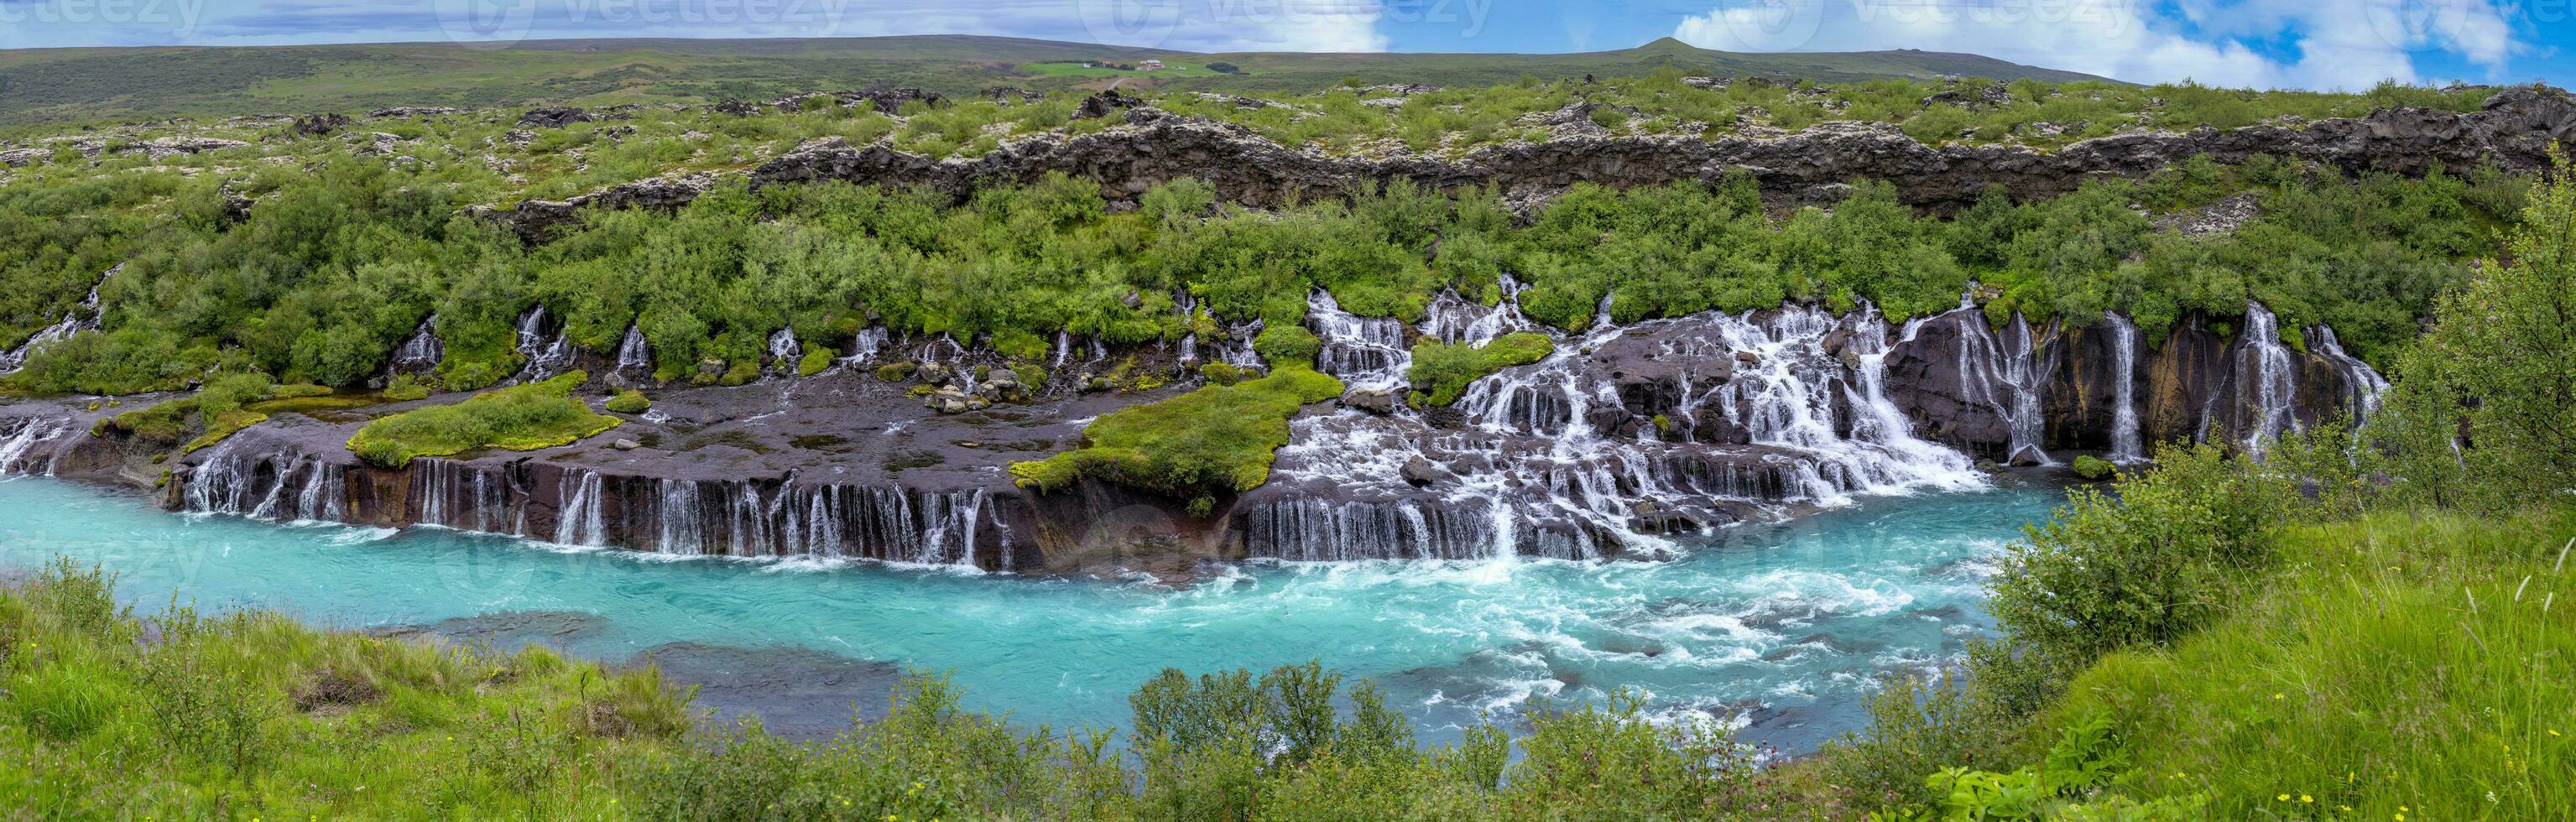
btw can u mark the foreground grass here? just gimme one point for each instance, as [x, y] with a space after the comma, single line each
[518, 418]
[250, 715]
[2399, 666]
[104, 715]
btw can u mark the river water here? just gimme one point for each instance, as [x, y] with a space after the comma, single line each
[1783, 625]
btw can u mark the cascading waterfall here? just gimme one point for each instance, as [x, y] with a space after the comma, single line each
[268, 487]
[2363, 386]
[1365, 353]
[545, 357]
[2126, 447]
[577, 516]
[2267, 382]
[1188, 306]
[1453, 318]
[83, 318]
[1063, 348]
[421, 353]
[866, 344]
[634, 357]
[30, 440]
[784, 351]
[1239, 351]
[1532, 470]
[2004, 373]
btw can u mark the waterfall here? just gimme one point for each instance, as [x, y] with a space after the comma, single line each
[2363, 386]
[545, 357]
[784, 351]
[85, 317]
[2125, 446]
[1188, 306]
[865, 345]
[1238, 350]
[683, 529]
[19, 446]
[2266, 383]
[421, 353]
[634, 357]
[2004, 373]
[1368, 353]
[1455, 319]
[1063, 348]
[1550, 460]
[459, 495]
[577, 517]
[272, 488]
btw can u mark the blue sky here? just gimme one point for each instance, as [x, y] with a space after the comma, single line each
[2259, 43]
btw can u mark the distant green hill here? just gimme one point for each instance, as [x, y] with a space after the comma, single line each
[91, 84]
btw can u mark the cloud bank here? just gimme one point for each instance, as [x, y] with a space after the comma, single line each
[2324, 44]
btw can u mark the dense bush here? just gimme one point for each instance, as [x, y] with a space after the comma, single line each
[1441, 371]
[343, 259]
[518, 418]
[629, 401]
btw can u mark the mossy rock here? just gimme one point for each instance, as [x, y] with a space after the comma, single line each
[2093, 468]
[629, 401]
[1217, 439]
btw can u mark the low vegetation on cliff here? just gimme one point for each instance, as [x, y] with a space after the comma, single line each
[517, 418]
[1441, 371]
[339, 263]
[1219, 439]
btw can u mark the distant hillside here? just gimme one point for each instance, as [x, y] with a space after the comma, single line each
[92, 84]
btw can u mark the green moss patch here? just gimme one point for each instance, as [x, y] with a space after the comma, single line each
[518, 418]
[1218, 438]
[629, 401]
[1441, 371]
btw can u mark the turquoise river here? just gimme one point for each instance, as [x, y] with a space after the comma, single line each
[1784, 626]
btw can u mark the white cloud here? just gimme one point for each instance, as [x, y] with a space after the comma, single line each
[2346, 44]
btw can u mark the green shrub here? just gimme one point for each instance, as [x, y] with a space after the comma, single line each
[405, 389]
[1441, 371]
[1221, 373]
[2144, 566]
[1217, 439]
[2093, 468]
[896, 371]
[816, 361]
[629, 401]
[519, 418]
[293, 390]
[1284, 346]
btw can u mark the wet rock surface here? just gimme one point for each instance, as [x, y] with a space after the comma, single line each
[1626, 436]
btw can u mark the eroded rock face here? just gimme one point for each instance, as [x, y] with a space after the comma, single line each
[1623, 437]
[2514, 129]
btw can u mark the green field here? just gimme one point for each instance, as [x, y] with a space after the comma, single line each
[110, 84]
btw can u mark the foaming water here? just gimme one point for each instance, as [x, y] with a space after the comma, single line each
[1783, 626]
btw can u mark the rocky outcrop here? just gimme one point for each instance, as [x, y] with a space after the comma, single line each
[2514, 130]
[1624, 437]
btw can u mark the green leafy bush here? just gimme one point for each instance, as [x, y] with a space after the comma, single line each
[2093, 468]
[1286, 346]
[519, 418]
[1441, 371]
[816, 361]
